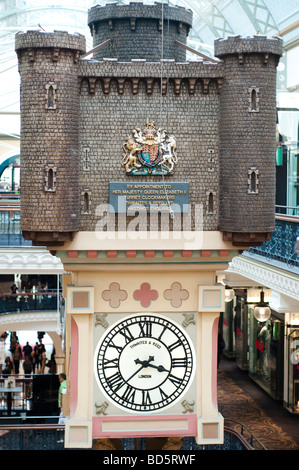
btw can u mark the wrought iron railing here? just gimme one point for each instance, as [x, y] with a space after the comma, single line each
[282, 245]
[31, 436]
[51, 437]
[242, 430]
[10, 231]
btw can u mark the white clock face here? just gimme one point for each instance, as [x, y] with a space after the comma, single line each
[144, 363]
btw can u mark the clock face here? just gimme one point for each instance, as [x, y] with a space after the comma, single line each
[144, 363]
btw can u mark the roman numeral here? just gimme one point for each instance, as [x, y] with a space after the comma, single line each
[108, 363]
[115, 381]
[174, 345]
[164, 329]
[129, 394]
[112, 345]
[146, 399]
[179, 362]
[163, 394]
[127, 334]
[175, 380]
[145, 329]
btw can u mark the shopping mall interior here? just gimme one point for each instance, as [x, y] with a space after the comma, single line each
[45, 270]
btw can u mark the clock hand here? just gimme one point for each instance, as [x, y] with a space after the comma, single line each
[143, 364]
[147, 364]
[160, 368]
[134, 373]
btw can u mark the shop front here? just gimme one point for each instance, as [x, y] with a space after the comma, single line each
[241, 329]
[266, 346]
[292, 358]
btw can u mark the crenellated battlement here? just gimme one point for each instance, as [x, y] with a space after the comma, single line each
[139, 10]
[135, 30]
[258, 44]
[56, 39]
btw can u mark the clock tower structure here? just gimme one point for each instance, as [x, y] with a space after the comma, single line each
[126, 163]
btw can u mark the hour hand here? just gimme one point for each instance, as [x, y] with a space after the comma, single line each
[159, 368]
[145, 363]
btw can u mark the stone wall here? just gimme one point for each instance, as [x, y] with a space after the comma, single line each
[108, 115]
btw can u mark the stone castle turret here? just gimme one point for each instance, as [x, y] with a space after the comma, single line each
[247, 136]
[49, 134]
[135, 31]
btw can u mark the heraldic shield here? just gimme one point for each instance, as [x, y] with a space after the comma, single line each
[151, 152]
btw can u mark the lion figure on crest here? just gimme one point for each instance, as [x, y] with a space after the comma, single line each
[130, 159]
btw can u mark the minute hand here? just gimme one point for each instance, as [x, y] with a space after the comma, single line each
[160, 368]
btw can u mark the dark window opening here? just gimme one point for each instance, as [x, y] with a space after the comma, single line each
[86, 203]
[51, 97]
[253, 100]
[50, 180]
[211, 204]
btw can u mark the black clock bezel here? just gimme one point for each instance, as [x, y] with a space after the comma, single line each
[110, 384]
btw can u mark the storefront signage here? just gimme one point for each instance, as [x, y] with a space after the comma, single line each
[149, 196]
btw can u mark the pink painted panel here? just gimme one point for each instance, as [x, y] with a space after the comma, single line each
[131, 426]
[214, 361]
[74, 367]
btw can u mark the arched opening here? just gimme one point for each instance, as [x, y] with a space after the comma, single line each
[253, 100]
[50, 179]
[253, 182]
[211, 204]
[86, 203]
[51, 97]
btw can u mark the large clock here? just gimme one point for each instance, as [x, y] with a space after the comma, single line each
[144, 363]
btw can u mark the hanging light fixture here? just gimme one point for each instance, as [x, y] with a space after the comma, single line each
[228, 294]
[262, 311]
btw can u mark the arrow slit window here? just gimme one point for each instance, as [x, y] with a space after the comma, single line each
[51, 95]
[210, 203]
[253, 181]
[85, 204]
[254, 99]
[50, 178]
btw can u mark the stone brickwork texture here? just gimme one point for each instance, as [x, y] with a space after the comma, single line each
[221, 114]
[135, 31]
[247, 138]
[49, 136]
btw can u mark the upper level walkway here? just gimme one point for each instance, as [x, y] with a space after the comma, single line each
[31, 311]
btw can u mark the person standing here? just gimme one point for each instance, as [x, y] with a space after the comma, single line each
[61, 391]
[16, 357]
[35, 353]
[27, 350]
[27, 366]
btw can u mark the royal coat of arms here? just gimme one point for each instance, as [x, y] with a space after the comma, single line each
[151, 152]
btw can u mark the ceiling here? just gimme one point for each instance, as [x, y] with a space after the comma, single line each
[211, 19]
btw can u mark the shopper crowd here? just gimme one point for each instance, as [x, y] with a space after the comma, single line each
[27, 359]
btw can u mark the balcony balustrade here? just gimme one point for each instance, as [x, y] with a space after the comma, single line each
[282, 245]
[29, 301]
[10, 231]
